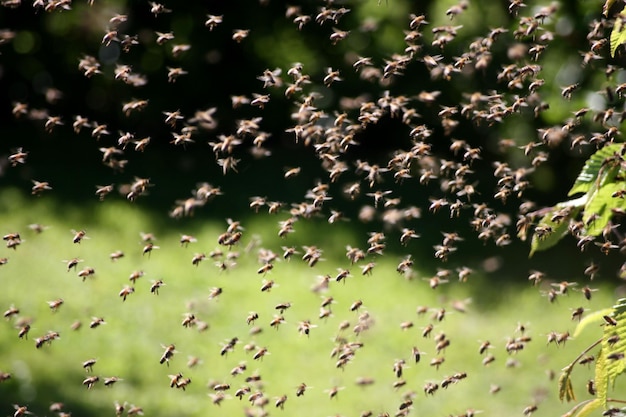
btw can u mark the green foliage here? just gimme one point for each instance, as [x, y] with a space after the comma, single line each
[602, 182]
[610, 362]
[618, 34]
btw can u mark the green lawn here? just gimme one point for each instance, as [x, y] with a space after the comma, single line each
[132, 340]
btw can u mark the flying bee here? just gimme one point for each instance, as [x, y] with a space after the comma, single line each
[239, 369]
[221, 387]
[108, 382]
[300, 389]
[148, 248]
[483, 347]
[398, 367]
[126, 291]
[86, 272]
[197, 258]
[167, 354]
[282, 307]
[268, 266]
[79, 236]
[23, 333]
[12, 311]
[577, 313]
[19, 157]
[252, 317]
[88, 365]
[95, 322]
[427, 330]
[367, 268]
[260, 353]
[416, 354]
[277, 321]
[587, 360]
[174, 379]
[267, 285]
[134, 276]
[398, 384]
[488, 359]
[215, 292]
[55, 304]
[356, 305]
[91, 381]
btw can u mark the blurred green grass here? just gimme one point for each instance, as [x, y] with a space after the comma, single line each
[131, 342]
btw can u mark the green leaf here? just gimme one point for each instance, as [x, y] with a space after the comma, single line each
[558, 229]
[599, 206]
[596, 316]
[615, 353]
[566, 392]
[590, 172]
[618, 34]
[606, 7]
[601, 379]
[589, 408]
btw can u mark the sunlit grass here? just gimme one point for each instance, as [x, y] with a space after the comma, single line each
[131, 342]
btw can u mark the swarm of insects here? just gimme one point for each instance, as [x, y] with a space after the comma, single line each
[438, 137]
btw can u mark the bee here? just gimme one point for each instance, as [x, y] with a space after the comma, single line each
[55, 304]
[79, 236]
[39, 187]
[221, 387]
[167, 354]
[587, 360]
[591, 387]
[304, 327]
[268, 266]
[252, 317]
[91, 381]
[488, 359]
[280, 402]
[12, 311]
[483, 347]
[242, 391]
[134, 410]
[239, 369]
[367, 268]
[183, 382]
[301, 389]
[240, 34]
[215, 292]
[95, 322]
[126, 291]
[282, 307]
[108, 382]
[277, 321]
[398, 367]
[86, 272]
[23, 333]
[610, 320]
[148, 248]
[174, 379]
[197, 258]
[185, 240]
[332, 392]
[577, 313]
[19, 157]
[88, 364]
[267, 285]
[288, 252]
[260, 353]
[212, 21]
[529, 410]
[426, 330]
[567, 91]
